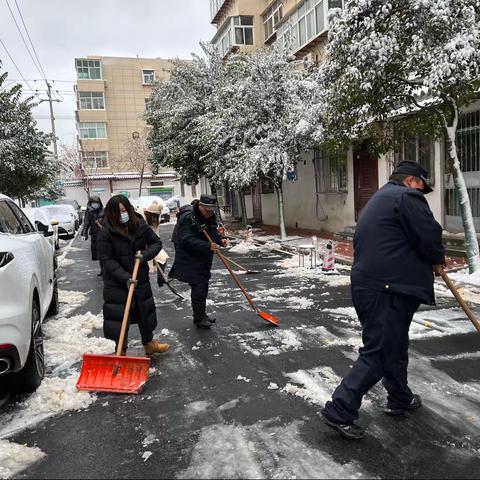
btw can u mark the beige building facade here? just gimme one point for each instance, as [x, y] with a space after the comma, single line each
[112, 95]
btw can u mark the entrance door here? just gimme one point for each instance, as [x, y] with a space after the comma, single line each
[257, 202]
[365, 173]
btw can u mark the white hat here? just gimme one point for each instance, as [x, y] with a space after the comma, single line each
[155, 208]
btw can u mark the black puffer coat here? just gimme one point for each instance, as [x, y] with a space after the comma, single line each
[116, 253]
[91, 226]
[397, 241]
[193, 257]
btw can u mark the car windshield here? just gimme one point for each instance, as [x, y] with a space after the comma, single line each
[73, 203]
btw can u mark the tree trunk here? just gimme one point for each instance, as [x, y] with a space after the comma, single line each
[281, 211]
[141, 180]
[471, 241]
[243, 208]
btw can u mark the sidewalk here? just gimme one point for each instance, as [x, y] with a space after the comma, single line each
[297, 237]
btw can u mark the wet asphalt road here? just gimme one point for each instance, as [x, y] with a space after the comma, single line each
[211, 408]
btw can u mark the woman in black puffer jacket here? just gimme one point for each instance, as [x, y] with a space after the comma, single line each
[92, 223]
[123, 234]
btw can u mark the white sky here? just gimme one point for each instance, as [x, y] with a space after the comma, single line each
[64, 29]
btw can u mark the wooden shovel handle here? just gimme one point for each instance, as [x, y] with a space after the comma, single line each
[227, 266]
[126, 313]
[460, 300]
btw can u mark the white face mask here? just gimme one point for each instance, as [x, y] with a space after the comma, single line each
[124, 218]
[95, 205]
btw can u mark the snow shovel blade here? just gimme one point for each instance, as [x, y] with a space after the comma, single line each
[111, 373]
[272, 319]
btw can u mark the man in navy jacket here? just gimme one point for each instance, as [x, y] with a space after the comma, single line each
[398, 248]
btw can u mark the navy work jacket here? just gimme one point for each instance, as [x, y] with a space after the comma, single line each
[397, 241]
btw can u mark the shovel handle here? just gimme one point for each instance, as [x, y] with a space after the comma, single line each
[227, 266]
[126, 313]
[235, 263]
[460, 300]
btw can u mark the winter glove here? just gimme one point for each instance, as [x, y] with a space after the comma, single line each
[130, 281]
[139, 256]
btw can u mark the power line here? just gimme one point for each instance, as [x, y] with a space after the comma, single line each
[31, 43]
[18, 70]
[24, 41]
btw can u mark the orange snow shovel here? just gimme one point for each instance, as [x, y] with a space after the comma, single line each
[266, 316]
[460, 300]
[116, 373]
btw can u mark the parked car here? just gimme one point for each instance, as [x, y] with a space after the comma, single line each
[75, 215]
[145, 201]
[69, 201]
[28, 293]
[43, 224]
[65, 218]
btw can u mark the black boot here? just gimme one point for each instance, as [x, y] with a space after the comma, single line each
[347, 430]
[199, 315]
[210, 319]
[394, 411]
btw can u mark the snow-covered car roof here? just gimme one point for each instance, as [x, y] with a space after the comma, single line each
[4, 197]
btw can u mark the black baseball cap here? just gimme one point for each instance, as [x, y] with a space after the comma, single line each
[208, 201]
[409, 167]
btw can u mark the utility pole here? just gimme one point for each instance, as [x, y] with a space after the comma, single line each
[52, 117]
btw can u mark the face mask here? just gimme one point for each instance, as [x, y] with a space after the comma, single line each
[95, 205]
[124, 218]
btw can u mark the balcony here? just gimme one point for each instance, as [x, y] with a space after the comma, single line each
[306, 26]
[218, 9]
[235, 33]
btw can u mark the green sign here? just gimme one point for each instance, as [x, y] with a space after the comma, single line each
[98, 189]
[125, 194]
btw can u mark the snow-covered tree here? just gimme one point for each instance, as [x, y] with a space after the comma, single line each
[176, 111]
[137, 155]
[25, 166]
[253, 128]
[414, 62]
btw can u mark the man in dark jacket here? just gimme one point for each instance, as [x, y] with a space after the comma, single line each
[398, 247]
[194, 253]
[92, 223]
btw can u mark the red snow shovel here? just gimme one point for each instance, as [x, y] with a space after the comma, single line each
[460, 300]
[266, 316]
[116, 373]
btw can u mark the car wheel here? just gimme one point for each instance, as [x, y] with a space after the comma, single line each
[30, 377]
[54, 304]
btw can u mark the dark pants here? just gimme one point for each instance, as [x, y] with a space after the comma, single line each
[385, 319]
[145, 332]
[198, 295]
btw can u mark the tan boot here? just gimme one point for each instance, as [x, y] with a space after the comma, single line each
[156, 347]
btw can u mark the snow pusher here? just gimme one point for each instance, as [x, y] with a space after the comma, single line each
[460, 300]
[265, 315]
[241, 267]
[116, 373]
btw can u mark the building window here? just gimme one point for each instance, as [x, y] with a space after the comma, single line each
[148, 77]
[88, 69]
[91, 100]
[243, 30]
[267, 185]
[305, 24]
[271, 17]
[93, 160]
[418, 149]
[468, 141]
[330, 172]
[93, 130]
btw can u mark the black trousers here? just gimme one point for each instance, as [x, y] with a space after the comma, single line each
[385, 319]
[198, 296]
[145, 332]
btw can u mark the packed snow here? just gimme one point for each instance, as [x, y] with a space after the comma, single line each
[14, 458]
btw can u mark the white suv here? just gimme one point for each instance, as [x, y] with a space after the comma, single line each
[28, 292]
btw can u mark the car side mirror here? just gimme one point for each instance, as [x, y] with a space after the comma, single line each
[42, 228]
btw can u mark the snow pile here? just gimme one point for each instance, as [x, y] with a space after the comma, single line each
[464, 277]
[67, 262]
[263, 450]
[243, 247]
[195, 408]
[284, 296]
[440, 323]
[272, 386]
[14, 458]
[71, 297]
[54, 396]
[246, 380]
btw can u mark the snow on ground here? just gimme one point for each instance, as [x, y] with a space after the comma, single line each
[244, 247]
[14, 458]
[285, 340]
[464, 277]
[439, 323]
[195, 408]
[71, 297]
[283, 295]
[262, 450]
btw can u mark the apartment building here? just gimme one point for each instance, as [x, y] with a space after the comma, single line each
[112, 94]
[326, 192]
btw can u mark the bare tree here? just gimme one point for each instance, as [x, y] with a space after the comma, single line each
[137, 154]
[74, 165]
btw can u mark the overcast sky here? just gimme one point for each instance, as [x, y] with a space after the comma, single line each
[64, 29]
